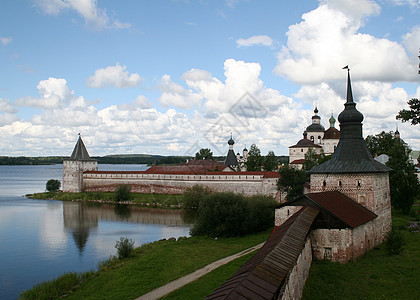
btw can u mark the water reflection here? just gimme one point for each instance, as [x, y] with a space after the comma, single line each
[82, 218]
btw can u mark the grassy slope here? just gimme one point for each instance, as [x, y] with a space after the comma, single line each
[156, 264]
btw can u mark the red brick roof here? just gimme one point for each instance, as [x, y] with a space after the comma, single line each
[338, 205]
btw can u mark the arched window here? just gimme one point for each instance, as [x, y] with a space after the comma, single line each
[312, 138]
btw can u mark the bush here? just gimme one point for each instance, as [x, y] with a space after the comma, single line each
[394, 242]
[122, 193]
[192, 196]
[261, 214]
[222, 215]
[124, 247]
[53, 185]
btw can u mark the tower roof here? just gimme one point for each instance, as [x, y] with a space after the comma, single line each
[80, 152]
[352, 154]
[305, 143]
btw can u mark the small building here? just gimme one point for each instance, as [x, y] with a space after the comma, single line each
[297, 152]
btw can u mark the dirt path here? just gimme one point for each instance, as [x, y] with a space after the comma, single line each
[180, 282]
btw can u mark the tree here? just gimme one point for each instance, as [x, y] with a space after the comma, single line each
[204, 153]
[53, 185]
[271, 163]
[403, 181]
[313, 159]
[122, 193]
[291, 181]
[255, 160]
[412, 114]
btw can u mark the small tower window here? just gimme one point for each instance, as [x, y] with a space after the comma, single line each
[359, 183]
[312, 138]
[340, 184]
[324, 184]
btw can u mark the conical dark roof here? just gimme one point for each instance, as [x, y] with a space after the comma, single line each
[352, 154]
[80, 152]
[231, 159]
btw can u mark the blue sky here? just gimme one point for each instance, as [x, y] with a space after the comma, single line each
[170, 77]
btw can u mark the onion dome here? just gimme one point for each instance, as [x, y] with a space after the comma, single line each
[231, 141]
[332, 121]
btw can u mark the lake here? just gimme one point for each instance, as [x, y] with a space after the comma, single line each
[42, 239]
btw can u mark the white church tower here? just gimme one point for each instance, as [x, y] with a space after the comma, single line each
[75, 166]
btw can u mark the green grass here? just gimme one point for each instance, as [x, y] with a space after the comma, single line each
[376, 275]
[158, 200]
[155, 264]
[205, 285]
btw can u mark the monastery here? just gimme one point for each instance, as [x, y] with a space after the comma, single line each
[80, 173]
[317, 138]
[346, 213]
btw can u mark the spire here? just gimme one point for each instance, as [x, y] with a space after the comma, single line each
[80, 152]
[351, 154]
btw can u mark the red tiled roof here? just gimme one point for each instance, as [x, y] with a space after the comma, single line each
[343, 207]
[331, 133]
[298, 161]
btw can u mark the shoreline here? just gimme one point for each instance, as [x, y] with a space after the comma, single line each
[163, 201]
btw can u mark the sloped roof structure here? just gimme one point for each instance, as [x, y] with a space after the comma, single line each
[337, 205]
[261, 276]
[80, 152]
[305, 143]
[351, 154]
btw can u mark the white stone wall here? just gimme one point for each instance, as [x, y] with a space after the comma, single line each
[295, 281]
[284, 213]
[343, 245]
[73, 174]
[177, 183]
[299, 153]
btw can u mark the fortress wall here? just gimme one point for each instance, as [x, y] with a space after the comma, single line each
[295, 281]
[178, 183]
[343, 245]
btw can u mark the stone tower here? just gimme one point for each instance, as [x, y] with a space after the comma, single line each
[353, 172]
[231, 160]
[75, 166]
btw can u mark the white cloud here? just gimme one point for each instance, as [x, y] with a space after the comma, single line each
[54, 92]
[113, 75]
[357, 10]
[5, 40]
[175, 95]
[411, 41]
[263, 40]
[328, 39]
[95, 17]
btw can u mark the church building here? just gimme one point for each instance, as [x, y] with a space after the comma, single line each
[315, 137]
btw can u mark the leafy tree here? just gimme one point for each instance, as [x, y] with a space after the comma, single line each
[122, 193]
[204, 153]
[255, 160]
[412, 114]
[291, 181]
[124, 247]
[404, 184]
[192, 196]
[53, 185]
[271, 163]
[313, 159]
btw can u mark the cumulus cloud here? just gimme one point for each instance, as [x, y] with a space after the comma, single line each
[328, 39]
[5, 40]
[176, 95]
[95, 17]
[263, 40]
[54, 92]
[113, 75]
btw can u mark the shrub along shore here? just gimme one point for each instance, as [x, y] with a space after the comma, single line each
[151, 200]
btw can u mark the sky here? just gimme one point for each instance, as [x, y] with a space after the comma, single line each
[170, 77]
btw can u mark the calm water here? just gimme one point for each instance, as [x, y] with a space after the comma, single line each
[40, 240]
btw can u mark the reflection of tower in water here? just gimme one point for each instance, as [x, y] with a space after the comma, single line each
[79, 219]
